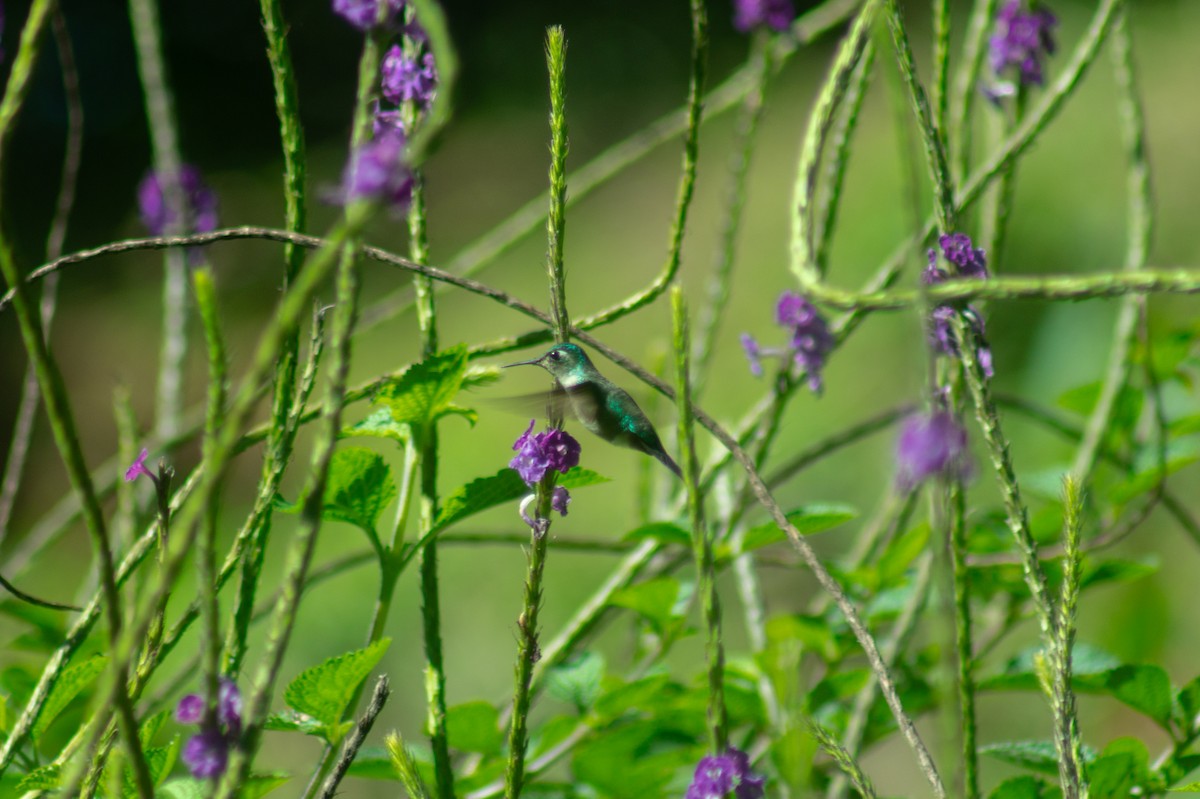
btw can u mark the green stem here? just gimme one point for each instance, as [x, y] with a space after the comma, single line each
[964, 646]
[702, 548]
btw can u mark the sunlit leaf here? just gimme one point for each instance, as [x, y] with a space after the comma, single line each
[577, 681]
[504, 486]
[75, 679]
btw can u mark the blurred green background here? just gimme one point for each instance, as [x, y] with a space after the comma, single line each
[626, 66]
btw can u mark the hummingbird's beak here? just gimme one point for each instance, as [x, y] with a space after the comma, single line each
[534, 362]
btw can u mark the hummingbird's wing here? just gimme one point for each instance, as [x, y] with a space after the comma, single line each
[553, 404]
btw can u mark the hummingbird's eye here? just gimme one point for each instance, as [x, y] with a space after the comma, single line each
[555, 355]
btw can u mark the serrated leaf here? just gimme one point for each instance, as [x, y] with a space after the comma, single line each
[43, 779]
[151, 726]
[159, 761]
[810, 519]
[577, 681]
[638, 695]
[474, 727]
[626, 761]
[359, 487]
[1145, 688]
[324, 691]
[662, 532]
[1024, 787]
[75, 679]
[425, 390]
[504, 486]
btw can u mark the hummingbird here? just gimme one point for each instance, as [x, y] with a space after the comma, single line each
[603, 407]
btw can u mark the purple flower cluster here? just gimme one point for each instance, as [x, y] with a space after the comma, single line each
[207, 752]
[362, 14]
[1022, 39]
[201, 202]
[378, 172]
[810, 342]
[717, 775]
[406, 79]
[969, 262]
[774, 14]
[931, 444]
[538, 453]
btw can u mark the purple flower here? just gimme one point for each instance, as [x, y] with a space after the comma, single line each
[406, 79]
[751, 14]
[970, 262]
[538, 453]
[388, 122]
[559, 500]
[930, 444]
[201, 202]
[1022, 39]
[717, 775]
[363, 13]
[207, 752]
[810, 343]
[138, 468]
[190, 709]
[377, 172]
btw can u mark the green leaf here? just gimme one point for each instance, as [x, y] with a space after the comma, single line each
[379, 424]
[75, 678]
[425, 391]
[628, 761]
[474, 727]
[807, 519]
[360, 486]
[662, 532]
[504, 486]
[660, 601]
[1123, 764]
[1191, 787]
[1144, 688]
[1037, 756]
[900, 554]
[151, 726]
[1118, 570]
[159, 761]
[1089, 670]
[577, 681]
[1024, 787]
[255, 787]
[43, 779]
[291, 721]
[1188, 700]
[638, 696]
[811, 632]
[324, 691]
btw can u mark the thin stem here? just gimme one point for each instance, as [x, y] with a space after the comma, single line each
[820, 123]
[702, 548]
[206, 302]
[941, 62]
[944, 208]
[966, 84]
[1062, 697]
[164, 139]
[687, 182]
[556, 220]
[14, 466]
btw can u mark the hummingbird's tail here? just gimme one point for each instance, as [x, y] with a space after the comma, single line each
[670, 464]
